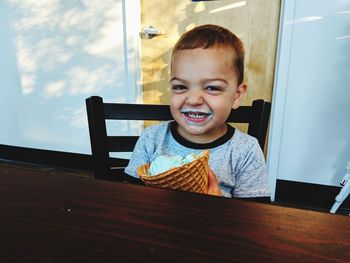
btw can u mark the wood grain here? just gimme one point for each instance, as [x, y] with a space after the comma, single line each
[59, 217]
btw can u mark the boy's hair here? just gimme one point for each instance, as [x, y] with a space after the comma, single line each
[208, 36]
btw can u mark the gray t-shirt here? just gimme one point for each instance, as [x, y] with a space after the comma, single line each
[236, 158]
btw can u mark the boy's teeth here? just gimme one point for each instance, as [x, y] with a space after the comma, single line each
[196, 115]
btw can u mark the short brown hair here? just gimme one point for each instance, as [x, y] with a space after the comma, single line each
[207, 36]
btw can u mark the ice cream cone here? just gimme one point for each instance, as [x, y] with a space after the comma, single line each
[192, 177]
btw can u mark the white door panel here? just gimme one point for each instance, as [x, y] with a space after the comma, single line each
[309, 134]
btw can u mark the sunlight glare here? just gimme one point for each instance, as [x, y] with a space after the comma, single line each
[227, 7]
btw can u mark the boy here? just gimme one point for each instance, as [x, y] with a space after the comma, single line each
[207, 70]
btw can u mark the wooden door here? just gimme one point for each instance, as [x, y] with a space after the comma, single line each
[254, 21]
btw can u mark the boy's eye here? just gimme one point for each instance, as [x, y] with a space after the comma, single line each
[213, 89]
[179, 88]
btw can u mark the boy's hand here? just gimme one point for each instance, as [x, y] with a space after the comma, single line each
[213, 184]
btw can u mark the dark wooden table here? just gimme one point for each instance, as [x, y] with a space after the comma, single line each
[59, 217]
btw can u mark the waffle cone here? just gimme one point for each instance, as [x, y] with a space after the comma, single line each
[192, 177]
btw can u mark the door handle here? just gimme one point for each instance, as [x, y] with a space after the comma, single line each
[150, 32]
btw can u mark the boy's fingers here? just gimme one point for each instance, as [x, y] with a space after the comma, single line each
[213, 184]
[210, 175]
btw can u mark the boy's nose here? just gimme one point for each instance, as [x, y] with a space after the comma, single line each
[195, 97]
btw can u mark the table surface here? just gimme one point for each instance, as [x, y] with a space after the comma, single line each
[50, 216]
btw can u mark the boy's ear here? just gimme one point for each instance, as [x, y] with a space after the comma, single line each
[240, 93]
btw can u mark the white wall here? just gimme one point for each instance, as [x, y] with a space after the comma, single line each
[309, 139]
[54, 54]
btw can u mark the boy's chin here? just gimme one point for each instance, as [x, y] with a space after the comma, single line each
[198, 132]
[195, 130]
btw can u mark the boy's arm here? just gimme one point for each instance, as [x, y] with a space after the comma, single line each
[214, 189]
[251, 177]
[139, 155]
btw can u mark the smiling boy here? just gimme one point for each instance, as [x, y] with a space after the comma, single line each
[206, 82]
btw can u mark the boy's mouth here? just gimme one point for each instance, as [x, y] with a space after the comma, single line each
[196, 116]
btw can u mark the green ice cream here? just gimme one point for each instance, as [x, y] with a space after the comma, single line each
[164, 163]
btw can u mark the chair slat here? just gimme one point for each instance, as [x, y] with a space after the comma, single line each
[122, 143]
[241, 115]
[152, 112]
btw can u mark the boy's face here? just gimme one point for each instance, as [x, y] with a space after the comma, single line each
[204, 89]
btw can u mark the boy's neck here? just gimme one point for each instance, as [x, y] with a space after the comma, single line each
[202, 143]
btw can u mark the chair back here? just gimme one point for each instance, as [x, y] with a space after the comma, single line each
[106, 167]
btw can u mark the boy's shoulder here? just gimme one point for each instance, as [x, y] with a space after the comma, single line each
[243, 140]
[244, 136]
[156, 128]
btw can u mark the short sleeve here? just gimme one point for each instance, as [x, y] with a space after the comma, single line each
[251, 177]
[141, 153]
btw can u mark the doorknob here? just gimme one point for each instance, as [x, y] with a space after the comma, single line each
[150, 32]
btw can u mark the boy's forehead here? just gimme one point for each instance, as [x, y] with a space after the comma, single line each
[203, 65]
[227, 49]
[219, 54]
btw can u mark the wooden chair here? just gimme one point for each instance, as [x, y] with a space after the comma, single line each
[106, 167]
